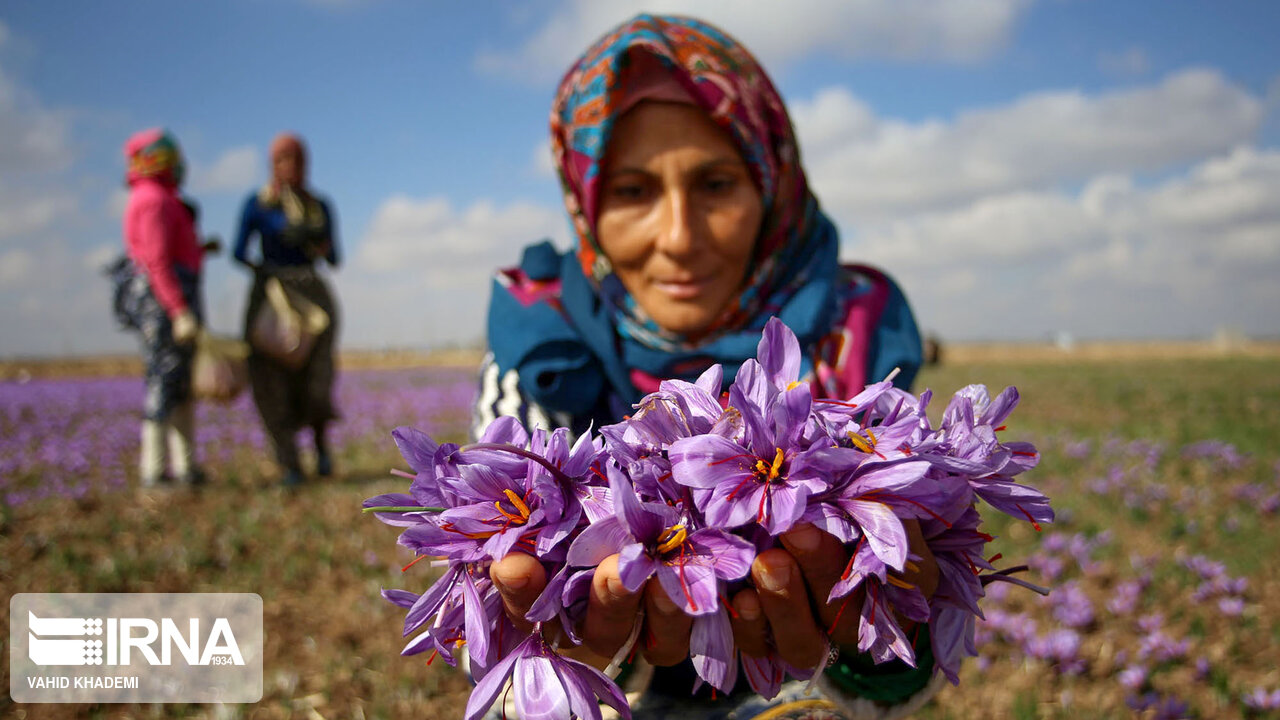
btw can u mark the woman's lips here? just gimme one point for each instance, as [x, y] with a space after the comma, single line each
[682, 289]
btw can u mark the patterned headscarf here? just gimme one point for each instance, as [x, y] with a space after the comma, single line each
[721, 77]
[155, 154]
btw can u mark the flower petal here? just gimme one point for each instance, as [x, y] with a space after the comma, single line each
[488, 687]
[598, 541]
[712, 651]
[707, 461]
[417, 448]
[538, 692]
[691, 585]
[882, 528]
[635, 566]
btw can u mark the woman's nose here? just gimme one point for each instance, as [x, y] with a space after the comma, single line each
[678, 235]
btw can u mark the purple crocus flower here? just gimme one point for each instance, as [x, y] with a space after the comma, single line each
[657, 539]
[1159, 707]
[547, 685]
[1133, 677]
[768, 474]
[1259, 699]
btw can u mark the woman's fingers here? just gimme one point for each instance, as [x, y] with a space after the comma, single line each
[822, 559]
[781, 590]
[666, 631]
[520, 580]
[611, 610]
[922, 573]
[750, 628]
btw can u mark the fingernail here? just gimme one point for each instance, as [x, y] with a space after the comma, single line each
[776, 578]
[663, 603]
[748, 609]
[514, 581]
[804, 538]
[616, 588]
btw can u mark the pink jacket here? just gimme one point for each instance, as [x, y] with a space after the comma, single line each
[158, 233]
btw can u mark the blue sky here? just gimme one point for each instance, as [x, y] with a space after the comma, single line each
[1023, 167]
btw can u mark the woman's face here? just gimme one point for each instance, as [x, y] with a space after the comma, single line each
[678, 214]
[288, 166]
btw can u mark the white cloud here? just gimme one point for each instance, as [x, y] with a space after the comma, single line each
[1198, 251]
[16, 266]
[235, 170]
[877, 168]
[541, 162]
[33, 138]
[420, 274]
[26, 212]
[951, 30]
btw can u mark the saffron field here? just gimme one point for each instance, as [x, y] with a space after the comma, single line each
[1165, 475]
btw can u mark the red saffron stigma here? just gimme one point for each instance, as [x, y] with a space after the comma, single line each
[995, 557]
[411, 564]
[839, 614]
[732, 613]
[1030, 519]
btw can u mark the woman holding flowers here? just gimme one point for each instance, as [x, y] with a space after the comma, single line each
[695, 225]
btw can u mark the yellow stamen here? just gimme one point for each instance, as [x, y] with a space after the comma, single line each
[794, 384]
[912, 566]
[517, 501]
[672, 538]
[863, 445]
[901, 583]
[777, 465]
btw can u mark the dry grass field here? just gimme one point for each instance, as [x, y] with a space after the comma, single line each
[1162, 462]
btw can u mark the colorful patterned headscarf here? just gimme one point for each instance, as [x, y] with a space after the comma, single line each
[722, 78]
[154, 153]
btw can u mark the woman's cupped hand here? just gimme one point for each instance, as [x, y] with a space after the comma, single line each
[785, 609]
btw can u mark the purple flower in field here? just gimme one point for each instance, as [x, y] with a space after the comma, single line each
[1133, 677]
[1161, 647]
[1150, 623]
[1259, 699]
[1202, 668]
[1050, 567]
[657, 539]
[1231, 606]
[1159, 707]
[1077, 450]
[1059, 647]
[1270, 504]
[1125, 598]
[1071, 606]
[547, 685]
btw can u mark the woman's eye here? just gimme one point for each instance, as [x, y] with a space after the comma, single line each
[628, 191]
[719, 184]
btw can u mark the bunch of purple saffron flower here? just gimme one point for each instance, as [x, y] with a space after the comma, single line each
[687, 491]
